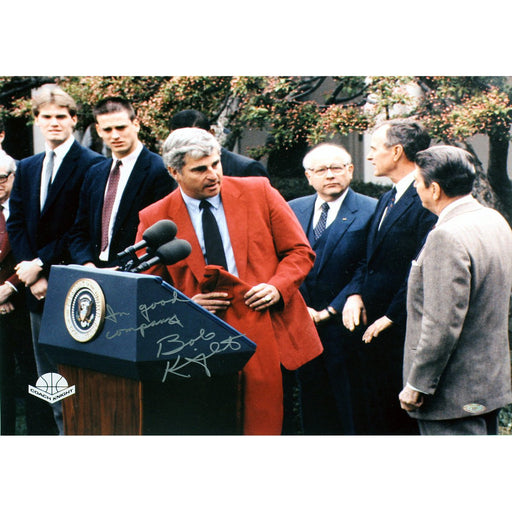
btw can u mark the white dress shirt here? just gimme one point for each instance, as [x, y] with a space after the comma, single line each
[125, 171]
[334, 208]
[217, 209]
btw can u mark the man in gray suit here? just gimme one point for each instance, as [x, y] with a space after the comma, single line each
[457, 360]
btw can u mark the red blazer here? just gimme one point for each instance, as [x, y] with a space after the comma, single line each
[269, 247]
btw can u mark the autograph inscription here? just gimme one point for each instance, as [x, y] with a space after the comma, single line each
[215, 347]
[170, 347]
[144, 309]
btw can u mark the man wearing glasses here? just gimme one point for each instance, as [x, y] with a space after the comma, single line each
[336, 221]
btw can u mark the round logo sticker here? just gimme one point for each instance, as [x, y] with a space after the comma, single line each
[84, 310]
[474, 408]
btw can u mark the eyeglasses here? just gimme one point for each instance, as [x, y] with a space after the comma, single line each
[4, 177]
[335, 169]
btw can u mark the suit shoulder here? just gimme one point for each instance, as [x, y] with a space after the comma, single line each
[299, 201]
[365, 201]
[88, 155]
[161, 207]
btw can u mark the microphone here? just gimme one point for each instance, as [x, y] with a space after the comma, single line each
[168, 254]
[155, 236]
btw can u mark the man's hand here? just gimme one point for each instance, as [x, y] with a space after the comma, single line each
[6, 308]
[213, 301]
[28, 271]
[410, 400]
[318, 316]
[6, 290]
[262, 296]
[354, 312]
[38, 289]
[381, 324]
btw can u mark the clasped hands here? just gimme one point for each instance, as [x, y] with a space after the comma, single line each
[29, 273]
[354, 314]
[259, 297]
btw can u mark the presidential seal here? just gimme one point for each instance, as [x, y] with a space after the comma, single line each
[84, 310]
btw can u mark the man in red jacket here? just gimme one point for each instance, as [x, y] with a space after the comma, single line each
[266, 257]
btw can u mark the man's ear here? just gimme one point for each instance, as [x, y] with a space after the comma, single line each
[398, 151]
[436, 190]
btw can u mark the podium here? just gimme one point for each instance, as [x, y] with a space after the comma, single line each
[143, 357]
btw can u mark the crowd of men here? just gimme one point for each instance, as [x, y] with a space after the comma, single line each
[385, 317]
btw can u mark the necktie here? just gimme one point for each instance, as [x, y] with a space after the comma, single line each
[389, 205]
[108, 203]
[46, 179]
[212, 239]
[322, 222]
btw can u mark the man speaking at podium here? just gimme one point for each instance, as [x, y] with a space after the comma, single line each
[249, 257]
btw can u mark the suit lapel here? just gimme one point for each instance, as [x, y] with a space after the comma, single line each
[346, 216]
[65, 171]
[179, 214]
[304, 213]
[392, 216]
[237, 209]
[131, 190]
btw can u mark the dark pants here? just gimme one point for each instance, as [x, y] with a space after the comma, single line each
[18, 371]
[45, 365]
[482, 425]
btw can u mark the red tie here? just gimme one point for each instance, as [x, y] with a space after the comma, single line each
[108, 204]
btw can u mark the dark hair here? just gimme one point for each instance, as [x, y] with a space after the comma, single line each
[2, 125]
[451, 167]
[113, 104]
[189, 119]
[410, 134]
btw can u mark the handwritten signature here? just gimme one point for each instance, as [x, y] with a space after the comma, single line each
[170, 320]
[112, 315]
[216, 347]
[144, 309]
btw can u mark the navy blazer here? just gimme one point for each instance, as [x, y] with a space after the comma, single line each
[148, 182]
[234, 164]
[45, 234]
[382, 279]
[338, 251]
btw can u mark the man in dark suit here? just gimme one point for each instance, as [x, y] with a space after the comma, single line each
[338, 238]
[17, 364]
[43, 205]
[107, 218]
[233, 164]
[377, 293]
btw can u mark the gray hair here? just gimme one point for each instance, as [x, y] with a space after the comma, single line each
[8, 163]
[306, 162]
[193, 142]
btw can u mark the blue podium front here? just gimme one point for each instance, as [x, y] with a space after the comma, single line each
[184, 361]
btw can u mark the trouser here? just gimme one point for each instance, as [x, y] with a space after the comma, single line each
[481, 425]
[45, 365]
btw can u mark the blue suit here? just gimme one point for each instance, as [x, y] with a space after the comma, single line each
[149, 181]
[45, 234]
[326, 382]
[382, 282]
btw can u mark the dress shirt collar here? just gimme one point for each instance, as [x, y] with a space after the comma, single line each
[194, 203]
[62, 149]
[403, 185]
[334, 207]
[129, 160]
[458, 202]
